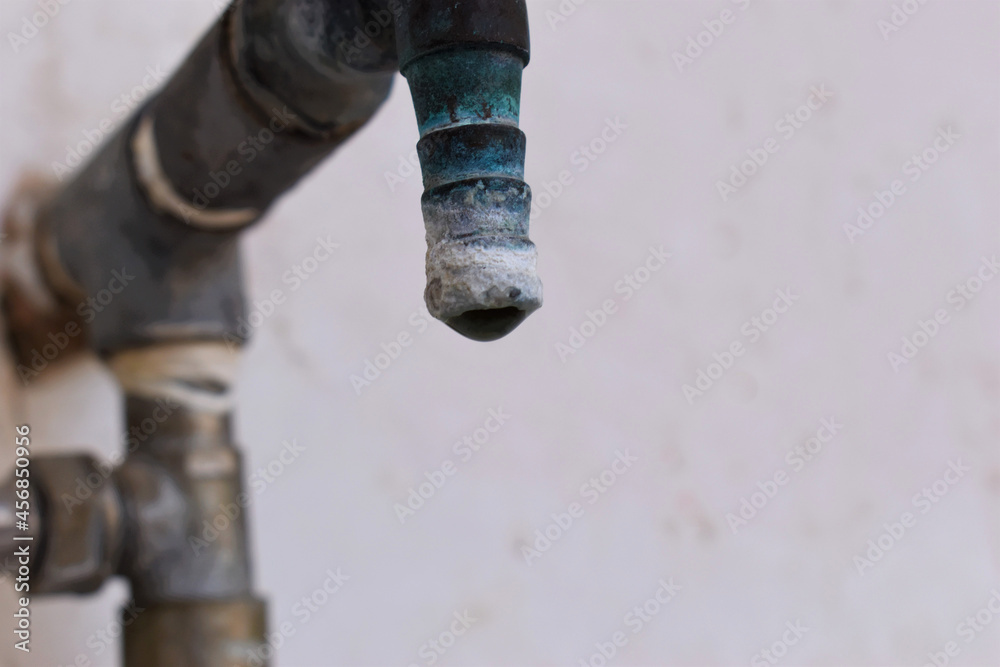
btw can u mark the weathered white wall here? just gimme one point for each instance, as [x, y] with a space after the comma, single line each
[666, 517]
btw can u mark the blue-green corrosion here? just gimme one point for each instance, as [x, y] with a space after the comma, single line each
[471, 152]
[466, 89]
[463, 86]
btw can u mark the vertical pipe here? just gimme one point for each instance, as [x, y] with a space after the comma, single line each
[186, 551]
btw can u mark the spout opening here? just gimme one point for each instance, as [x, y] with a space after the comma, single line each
[485, 288]
[487, 324]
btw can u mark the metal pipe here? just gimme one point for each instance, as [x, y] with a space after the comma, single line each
[272, 89]
[185, 548]
[171, 518]
[163, 201]
[463, 61]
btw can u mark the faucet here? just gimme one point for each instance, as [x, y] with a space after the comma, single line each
[136, 257]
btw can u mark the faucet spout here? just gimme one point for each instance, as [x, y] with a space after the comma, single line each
[153, 221]
[463, 61]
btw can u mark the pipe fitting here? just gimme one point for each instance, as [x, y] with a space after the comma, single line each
[80, 523]
[225, 633]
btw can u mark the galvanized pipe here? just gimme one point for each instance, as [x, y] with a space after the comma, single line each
[185, 547]
[272, 89]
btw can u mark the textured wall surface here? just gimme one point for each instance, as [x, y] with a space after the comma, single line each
[718, 498]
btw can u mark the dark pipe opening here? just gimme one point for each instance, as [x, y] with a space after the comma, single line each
[489, 324]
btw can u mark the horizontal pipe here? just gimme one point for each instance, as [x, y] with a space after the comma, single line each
[151, 223]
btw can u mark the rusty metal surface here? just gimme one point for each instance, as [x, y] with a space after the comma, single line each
[343, 54]
[186, 534]
[431, 25]
[463, 62]
[79, 523]
[37, 299]
[227, 633]
[269, 91]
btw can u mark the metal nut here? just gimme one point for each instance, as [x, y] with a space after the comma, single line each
[82, 523]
